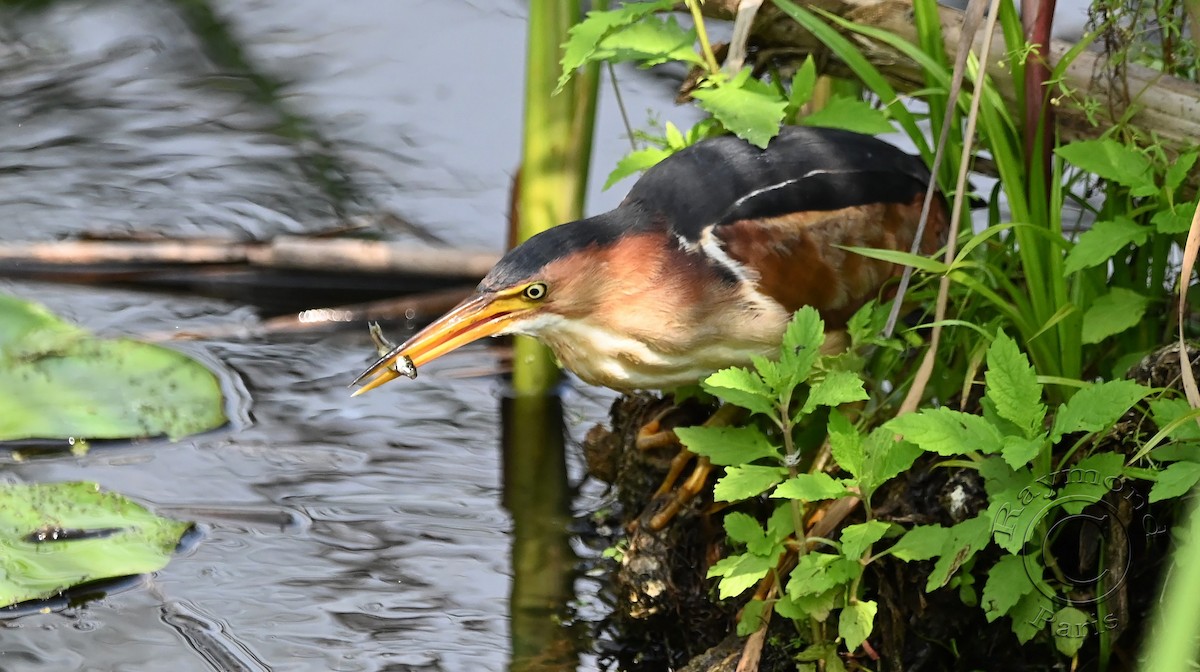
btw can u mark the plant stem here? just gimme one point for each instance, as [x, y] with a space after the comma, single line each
[702, 33]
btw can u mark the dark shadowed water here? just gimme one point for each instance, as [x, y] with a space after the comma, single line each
[374, 533]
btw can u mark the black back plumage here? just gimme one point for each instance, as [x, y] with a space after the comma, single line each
[724, 180]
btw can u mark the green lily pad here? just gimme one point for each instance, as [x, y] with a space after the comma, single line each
[58, 382]
[58, 535]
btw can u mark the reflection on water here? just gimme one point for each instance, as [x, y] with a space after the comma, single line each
[336, 534]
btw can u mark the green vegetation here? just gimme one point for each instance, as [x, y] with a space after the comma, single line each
[60, 535]
[1028, 392]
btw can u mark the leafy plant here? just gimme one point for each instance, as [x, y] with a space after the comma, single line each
[57, 382]
[58, 535]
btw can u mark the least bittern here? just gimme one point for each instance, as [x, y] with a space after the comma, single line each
[702, 264]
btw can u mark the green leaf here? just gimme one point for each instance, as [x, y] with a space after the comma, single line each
[1070, 630]
[1033, 611]
[743, 528]
[1173, 221]
[636, 162]
[1113, 313]
[727, 446]
[856, 622]
[1012, 386]
[1018, 450]
[856, 538]
[1097, 407]
[57, 382]
[885, 457]
[837, 388]
[967, 539]
[846, 444]
[751, 618]
[1175, 481]
[804, 82]
[651, 41]
[741, 388]
[1098, 244]
[1008, 581]
[585, 37]
[746, 481]
[947, 432]
[747, 107]
[817, 606]
[1178, 171]
[125, 539]
[780, 526]
[819, 572]
[740, 572]
[802, 341]
[1015, 507]
[922, 542]
[811, 488]
[850, 114]
[917, 261]
[1089, 480]
[1166, 411]
[1110, 160]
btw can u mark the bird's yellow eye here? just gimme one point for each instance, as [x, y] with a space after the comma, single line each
[536, 291]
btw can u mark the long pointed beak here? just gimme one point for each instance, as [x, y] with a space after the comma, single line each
[480, 315]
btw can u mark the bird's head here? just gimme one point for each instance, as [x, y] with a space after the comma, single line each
[548, 278]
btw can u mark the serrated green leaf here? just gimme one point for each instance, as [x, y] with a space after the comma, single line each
[116, 537]
[1178, 171]
[585, 37]
[746, 481]
[636, 162]
[819, 572]
[747, 107]
[817, 607]
[1089, 480]
[1171, 222]
[1166, 411]
[804, 82]
[1030, 615]
[1098, 244]
[802, 341]
[1008, 581]
[741, 388]
[856, 538]
[1097, 407]
[725, 446]
[780, 526]
[856, 623]
[947, 432]
[743, 528]
[1012, 386]
[846, 444]
[1110, 160]
[751, 618]
[885, 457]
[922, 543]
[967, 539]
[650, 41]
[1175, 481]
[850, 114]
[1018, 450]
[739, 572]
[811, 488]
[1113, 313]
[837, 388]
[771, 372]
[1016, 509]
[1070, 630]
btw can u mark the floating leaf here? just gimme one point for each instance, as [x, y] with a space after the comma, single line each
[58, 535]
[57, 382]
